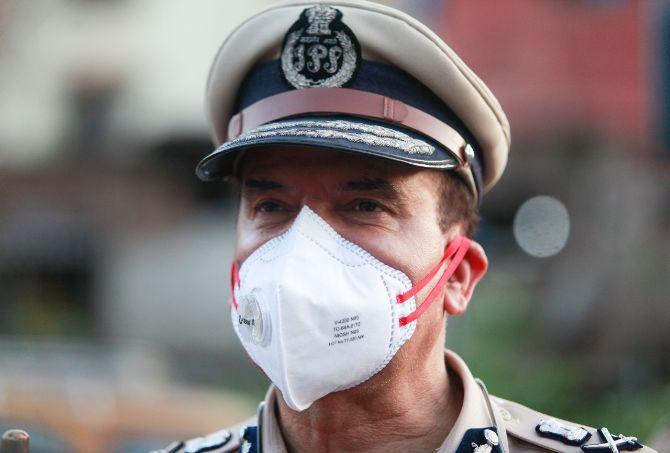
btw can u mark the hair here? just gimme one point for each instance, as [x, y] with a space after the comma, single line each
[457, 204]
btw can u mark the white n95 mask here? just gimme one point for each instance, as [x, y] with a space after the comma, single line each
[319, 314]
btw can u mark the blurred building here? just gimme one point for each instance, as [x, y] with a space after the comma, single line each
[101, 123]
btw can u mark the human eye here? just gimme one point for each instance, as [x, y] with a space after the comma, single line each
[270, 206]
[367, 206]
[366, 212]
[364, 206]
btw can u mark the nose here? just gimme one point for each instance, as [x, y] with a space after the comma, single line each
[321, 208]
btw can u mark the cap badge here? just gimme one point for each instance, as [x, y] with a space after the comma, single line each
[320, 50]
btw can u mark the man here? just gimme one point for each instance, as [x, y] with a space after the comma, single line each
[363, 146]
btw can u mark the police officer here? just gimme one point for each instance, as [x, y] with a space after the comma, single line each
[363, 146]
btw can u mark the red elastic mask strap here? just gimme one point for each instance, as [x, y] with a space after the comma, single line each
[234, 282]
[457, 249]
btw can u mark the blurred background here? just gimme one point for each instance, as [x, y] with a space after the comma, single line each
[114, 326]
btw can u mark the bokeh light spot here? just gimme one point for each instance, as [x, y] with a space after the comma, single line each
[542, 226]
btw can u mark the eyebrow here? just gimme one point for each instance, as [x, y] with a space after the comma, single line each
[262, 185]
[383, 186]
[379, 185]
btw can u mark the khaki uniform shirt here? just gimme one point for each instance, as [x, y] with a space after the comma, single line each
[514, 424]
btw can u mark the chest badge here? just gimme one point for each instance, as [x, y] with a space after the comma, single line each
[320, 50]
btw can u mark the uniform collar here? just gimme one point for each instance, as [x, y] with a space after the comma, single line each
[474, 412]
[273, 440]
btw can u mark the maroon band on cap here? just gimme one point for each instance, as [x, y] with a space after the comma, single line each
[350, 102]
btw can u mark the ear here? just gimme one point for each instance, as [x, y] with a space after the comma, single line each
[459, 290]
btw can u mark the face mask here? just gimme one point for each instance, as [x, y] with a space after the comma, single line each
[319, 314]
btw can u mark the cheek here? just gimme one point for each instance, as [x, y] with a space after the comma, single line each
[247, 238]
[421, 241]
[415, 249]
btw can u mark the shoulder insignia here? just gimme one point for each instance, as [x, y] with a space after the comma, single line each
[480, 440]
[525, 426]
[223, 441]
[249, 437]
[571, 435]
[174, 447]
[611, 443]
[208, 443]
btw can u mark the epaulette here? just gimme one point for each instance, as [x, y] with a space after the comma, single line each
[223, 441]
[529, 430]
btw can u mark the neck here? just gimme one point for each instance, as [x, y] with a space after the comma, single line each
[394, 411]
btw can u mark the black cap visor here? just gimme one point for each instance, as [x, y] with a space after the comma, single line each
[343, 133]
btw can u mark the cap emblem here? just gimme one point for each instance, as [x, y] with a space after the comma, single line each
[320, 50]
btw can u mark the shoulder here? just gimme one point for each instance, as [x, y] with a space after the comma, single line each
[227, 440]
[532, 431]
